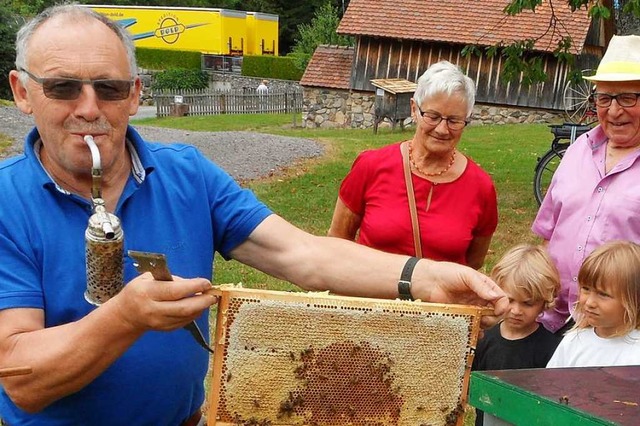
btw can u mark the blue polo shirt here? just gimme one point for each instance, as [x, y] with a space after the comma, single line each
[176, 202]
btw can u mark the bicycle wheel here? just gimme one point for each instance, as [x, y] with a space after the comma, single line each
[545, 168]
[577, 106]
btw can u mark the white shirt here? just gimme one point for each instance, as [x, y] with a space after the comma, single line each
[262, 89]
[584, 348]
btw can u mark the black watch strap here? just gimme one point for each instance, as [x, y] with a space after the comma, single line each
[404, 285]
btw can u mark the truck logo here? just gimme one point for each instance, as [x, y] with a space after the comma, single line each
[169, 30]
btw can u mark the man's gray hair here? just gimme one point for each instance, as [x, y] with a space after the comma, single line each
[74, 11]
[444, 77]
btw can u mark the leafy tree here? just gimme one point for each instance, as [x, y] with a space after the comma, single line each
[626, 23]
[29, 7]
[168, 3]
[8, 27]
[321, 30]
[517, 59]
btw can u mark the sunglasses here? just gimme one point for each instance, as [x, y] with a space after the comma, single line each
[69, 89]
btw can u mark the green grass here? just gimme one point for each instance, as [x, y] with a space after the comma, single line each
[5, 141]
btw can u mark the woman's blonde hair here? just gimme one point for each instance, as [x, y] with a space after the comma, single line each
[528, 270]
[614, 267]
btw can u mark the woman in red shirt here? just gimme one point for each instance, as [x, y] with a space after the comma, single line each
[456, 205]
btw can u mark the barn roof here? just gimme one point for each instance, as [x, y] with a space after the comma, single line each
[330, 66]
[481, 22]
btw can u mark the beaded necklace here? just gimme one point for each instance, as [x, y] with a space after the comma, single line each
[441, 172]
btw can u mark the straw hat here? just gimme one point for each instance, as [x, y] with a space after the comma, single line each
[621, 61]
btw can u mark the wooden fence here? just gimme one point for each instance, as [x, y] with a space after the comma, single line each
[211, 102]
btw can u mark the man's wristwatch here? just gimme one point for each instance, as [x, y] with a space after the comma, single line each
[404, 284]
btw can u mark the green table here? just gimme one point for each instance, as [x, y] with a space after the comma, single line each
[558, 397]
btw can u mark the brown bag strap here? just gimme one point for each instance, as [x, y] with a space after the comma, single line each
[404, 149]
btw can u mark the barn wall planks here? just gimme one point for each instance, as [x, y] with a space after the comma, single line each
[408, 59]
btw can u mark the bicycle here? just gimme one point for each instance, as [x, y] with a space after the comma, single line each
[581, 113]
[578, 106]
[564, 135]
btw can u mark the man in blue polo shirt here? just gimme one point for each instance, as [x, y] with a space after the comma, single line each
[129, 361]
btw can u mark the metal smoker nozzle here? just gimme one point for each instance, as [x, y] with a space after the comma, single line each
[96, 168]
[104, 241]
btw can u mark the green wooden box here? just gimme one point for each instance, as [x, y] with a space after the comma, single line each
[559, 397]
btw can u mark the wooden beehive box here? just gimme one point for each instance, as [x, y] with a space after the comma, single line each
[285, 358]
[393, 100]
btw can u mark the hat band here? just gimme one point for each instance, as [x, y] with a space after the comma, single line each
[619, 68]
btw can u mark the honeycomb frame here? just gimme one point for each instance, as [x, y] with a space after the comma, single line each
[287, 358]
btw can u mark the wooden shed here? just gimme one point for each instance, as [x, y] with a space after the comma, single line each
[393, 100]
[402, 39]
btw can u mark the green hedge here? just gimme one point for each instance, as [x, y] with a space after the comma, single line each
[180, 79]
[160, 59]
[275, 67]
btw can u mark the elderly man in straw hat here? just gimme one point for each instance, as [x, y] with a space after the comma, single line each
[594, 196]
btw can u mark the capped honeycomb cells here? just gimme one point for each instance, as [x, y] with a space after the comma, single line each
[288, 362]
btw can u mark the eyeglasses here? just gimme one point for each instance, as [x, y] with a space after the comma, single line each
[625, 100]
[68, 89]
[433, 119]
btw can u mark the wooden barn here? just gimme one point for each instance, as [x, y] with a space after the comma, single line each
[400, 39]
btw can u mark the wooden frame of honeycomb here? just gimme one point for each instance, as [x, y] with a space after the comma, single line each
[284, 358]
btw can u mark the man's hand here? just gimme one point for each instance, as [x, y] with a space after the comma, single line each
[147, 304]
[445, 282]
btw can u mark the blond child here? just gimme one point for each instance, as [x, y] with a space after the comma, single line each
[530, 279]
[607, 330]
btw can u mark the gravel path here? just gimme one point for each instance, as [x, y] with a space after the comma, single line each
[244, 155]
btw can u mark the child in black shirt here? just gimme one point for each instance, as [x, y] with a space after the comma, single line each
[530, 279]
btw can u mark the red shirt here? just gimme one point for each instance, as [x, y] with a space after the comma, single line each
[375, 189]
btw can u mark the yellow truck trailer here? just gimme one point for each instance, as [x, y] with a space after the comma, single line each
[262, 34]
[205, 30]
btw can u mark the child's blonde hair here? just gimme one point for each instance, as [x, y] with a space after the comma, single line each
[614, 267]
[527, 270]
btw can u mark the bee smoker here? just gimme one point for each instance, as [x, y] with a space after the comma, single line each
[104, 241]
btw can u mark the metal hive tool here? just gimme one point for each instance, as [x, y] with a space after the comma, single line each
[156, 263]
[316, 359]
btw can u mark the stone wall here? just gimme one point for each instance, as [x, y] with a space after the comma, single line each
[227, 81]
[494, 114]
[330, 108]
[337, 108]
